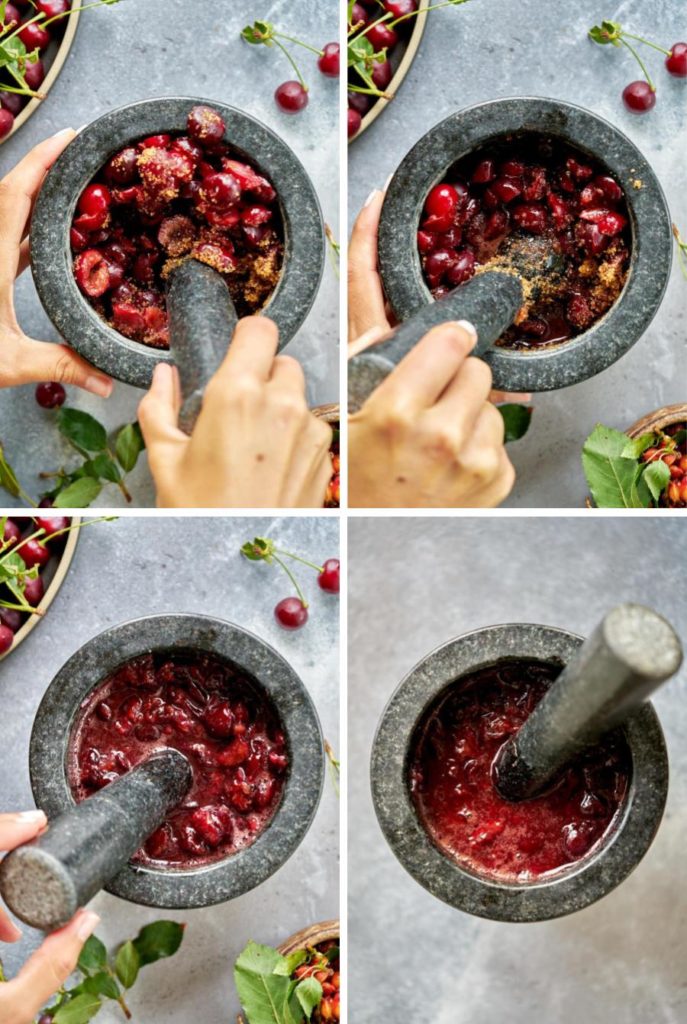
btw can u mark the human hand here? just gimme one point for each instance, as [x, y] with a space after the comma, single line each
[428, 437]
[369, 317]
[22, 999]
[23, 360]
[255, 444]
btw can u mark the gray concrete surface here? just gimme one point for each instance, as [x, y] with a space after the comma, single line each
[144, 48]
[413, 585]
[492, 48]
[171, 565]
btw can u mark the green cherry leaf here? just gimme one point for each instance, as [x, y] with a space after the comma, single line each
[79, 1010]
[79, 494]
[657, 477]
[105, 468]
[612, 478]
[128, 446]
[93, 956]
[637, 445]
[8, 478]
[158, 940]
[127, 964]
[82, 429]
[309, 995]
[289, 963]
[517, 419]
[102, 984]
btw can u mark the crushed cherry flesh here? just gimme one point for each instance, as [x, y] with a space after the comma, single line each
[452, 787]
[533, 206]
[164, 199]
[215, 715]
[333, 495]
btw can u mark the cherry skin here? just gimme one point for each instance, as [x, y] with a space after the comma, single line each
[354, 122]
[676, 62]
[291, 97]
[34, 591]
[329, 63]
[51, 524]
[639, 97]
[51, 8]
[50, 395]
[11, 618]
[6, 639]
[6, 122]
[400, 7]
[205, 125]
[34, 74]
[34, 552]
[328, 579]
[12, 532]
[34, 37]
[291, 613]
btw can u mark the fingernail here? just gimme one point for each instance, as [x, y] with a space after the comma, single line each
[62, 131]
[369, 199]
[99, 386]
[79, 130]
[32, 818]
[470, 328]
[387, 183]
[15, 933]
[87, 925]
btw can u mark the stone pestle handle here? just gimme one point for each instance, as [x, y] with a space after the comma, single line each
[630, 653]
[490, 301]
[45, 881]
[202, 321]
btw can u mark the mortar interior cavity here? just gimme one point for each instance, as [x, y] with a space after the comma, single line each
[219, 717]
[449, 776]
[542, 209]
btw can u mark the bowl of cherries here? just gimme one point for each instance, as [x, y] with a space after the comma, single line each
[552, 194]
[227, 701]
[151, 185]
[35, 555]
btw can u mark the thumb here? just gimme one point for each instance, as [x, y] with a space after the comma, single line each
[158, 411]
[46, 360]
[46, 971]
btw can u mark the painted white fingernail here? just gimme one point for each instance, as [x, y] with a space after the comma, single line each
[87, 925]
[79, 130]
[62, 131]
[32, 817]
[369, 199]
[387, 183]
[99, 386]
[470, 328]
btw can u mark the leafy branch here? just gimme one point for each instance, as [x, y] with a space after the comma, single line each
[625, 473]
[276, 989]
[108, 977]
[103, 460]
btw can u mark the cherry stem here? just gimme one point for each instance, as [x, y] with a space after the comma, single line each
[292, 578]
[297, 558]
[292, 63]
[125, 1009]
[647, 42]
[639, 61]
[681, 250]
[299, 42]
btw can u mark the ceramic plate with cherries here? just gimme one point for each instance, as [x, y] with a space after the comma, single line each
[35, 554]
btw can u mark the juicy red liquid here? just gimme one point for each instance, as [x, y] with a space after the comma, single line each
[218, 718]
[453, 791]
[567, 208]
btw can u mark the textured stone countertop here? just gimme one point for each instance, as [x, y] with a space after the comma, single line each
[137, 50]
[621, 959]
[495, 48]
[176, 565]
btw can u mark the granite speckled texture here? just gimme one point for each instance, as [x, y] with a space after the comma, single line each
[99, 658]
[46, 881]
[570, 890]
[51, 254]
[610, 337]
[136, 50]
[494, 48]
[136, 567]
[620, 959]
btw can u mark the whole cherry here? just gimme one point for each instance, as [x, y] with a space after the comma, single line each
[34, 591]
[291, 97]
[33, 553]
[676, 61]
[328, 579]
[354, 122]
[329, 62]
[6, 122]
[291, 613]
[6, 639]
[639, 97]
[50, 395]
